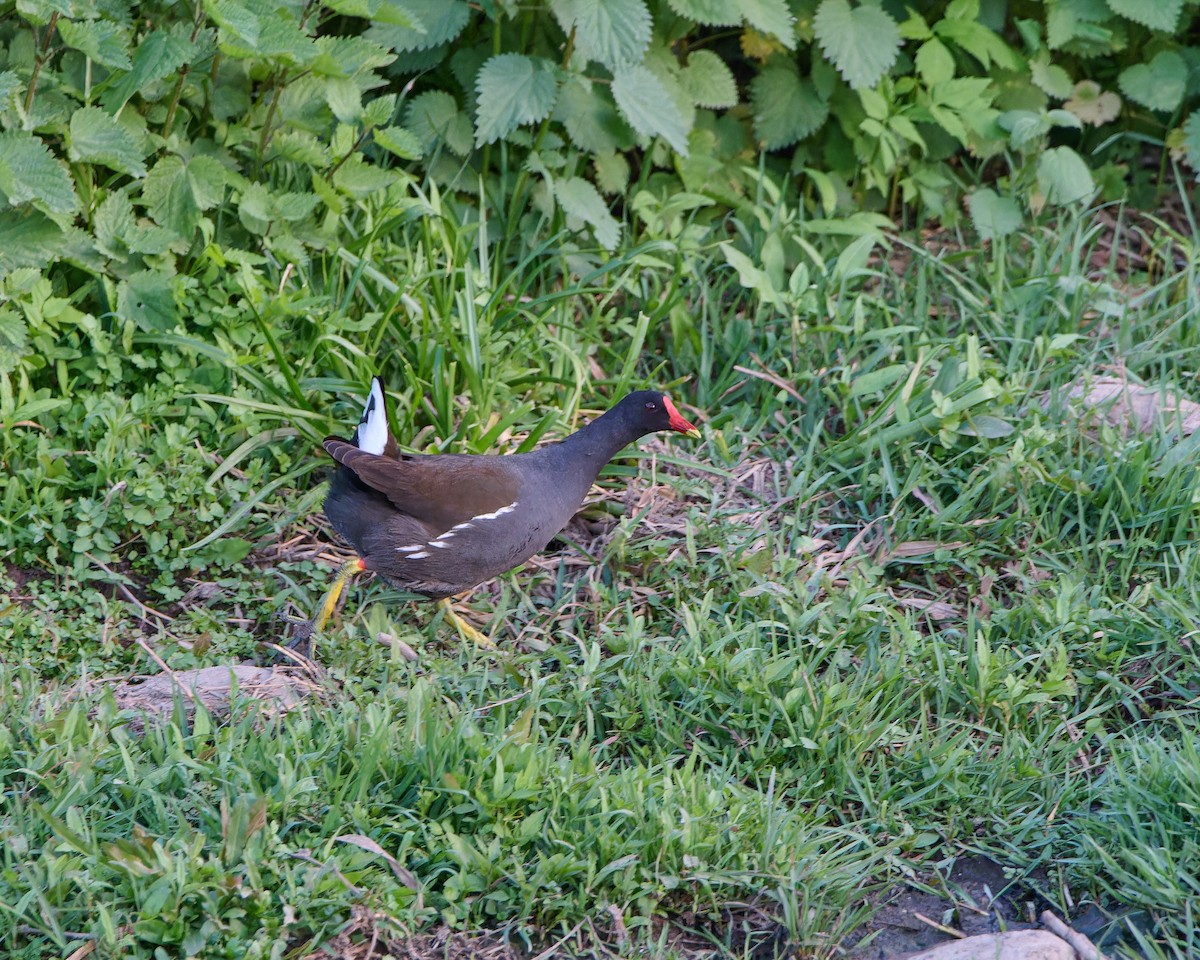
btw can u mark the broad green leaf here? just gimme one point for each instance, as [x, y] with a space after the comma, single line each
[100, 40]
[1092, 105]
[586, 110]
[112, 223]
[29, 238]
[399, 141]
[1191, 139]
[751, 275]
[435, 22]
[612, 172]
[580, 199]
[1159, 84]
[993, 215]
[1155, 14]
[292, 206]
[862, 42]
[1024, 126]
[1063, 177]
[29, 173]
[158, 55]
[709, 13]
[98, 138]
[646, 104]
[981, 42]
[1078, 21]
[985, 425]
[379, 11]
[14, 337]
[351, 57]
[299, 146]
[176, 193]
[771, 17]
[253, 29]
[786, 108]
[611, 32]
[708, 81]
[434, 117]
[360, 179]
[39, 12]
[118, 233]
[934, 62]
[148, 299]
[344, 98]
[1050, 78]
[513, 89]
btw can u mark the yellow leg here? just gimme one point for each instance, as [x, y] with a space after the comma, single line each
[329, 604]
[465, 630]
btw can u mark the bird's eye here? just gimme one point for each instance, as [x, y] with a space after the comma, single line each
[651, 406]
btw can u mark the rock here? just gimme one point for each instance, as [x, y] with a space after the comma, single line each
[1017, 945]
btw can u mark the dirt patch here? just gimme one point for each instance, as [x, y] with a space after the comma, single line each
[975, 897]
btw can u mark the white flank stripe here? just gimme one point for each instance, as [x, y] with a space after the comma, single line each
[417, 556]
[411, 549]
[373, 428]
[448, 535]
[498, 513]
[457, 526]
[438, 543]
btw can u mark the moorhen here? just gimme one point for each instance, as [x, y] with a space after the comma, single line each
[439, 524]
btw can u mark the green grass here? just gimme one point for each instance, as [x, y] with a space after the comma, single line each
[740, 699]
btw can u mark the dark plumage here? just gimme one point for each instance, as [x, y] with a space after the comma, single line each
[439, 524]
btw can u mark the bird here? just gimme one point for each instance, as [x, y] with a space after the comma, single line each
[436, 525]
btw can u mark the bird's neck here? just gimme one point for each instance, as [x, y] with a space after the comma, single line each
[599, 441]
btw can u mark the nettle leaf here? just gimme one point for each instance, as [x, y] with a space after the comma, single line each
[358, 178]
[1093, 105]
[435, 22]
[611, 32]
[1191, 139]
[1155, 14]
[351, 57]
[379, 11]
[1159, 84]
[862, 42]
[157, 55]
[771, 17]
[590, 117]
[397, 140]
[1063, 177]
[708, 81]
[252, 29]
[582, 200]
[786, 108]
[29, 173]
[29, 238]
[176, 194]
[647, 105]
[612, 172]
[96, 137]
[993, 215]
[513, 89]
[100, 40]
[344, 98]
[14, 337]
[301, 147]
[710, 13]
[434, 117]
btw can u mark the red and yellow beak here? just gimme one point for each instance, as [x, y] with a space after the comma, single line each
[677, 422]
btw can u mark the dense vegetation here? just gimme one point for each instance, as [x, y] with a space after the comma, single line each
[912, 599]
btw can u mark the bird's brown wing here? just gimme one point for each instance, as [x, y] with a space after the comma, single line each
[438, 490]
